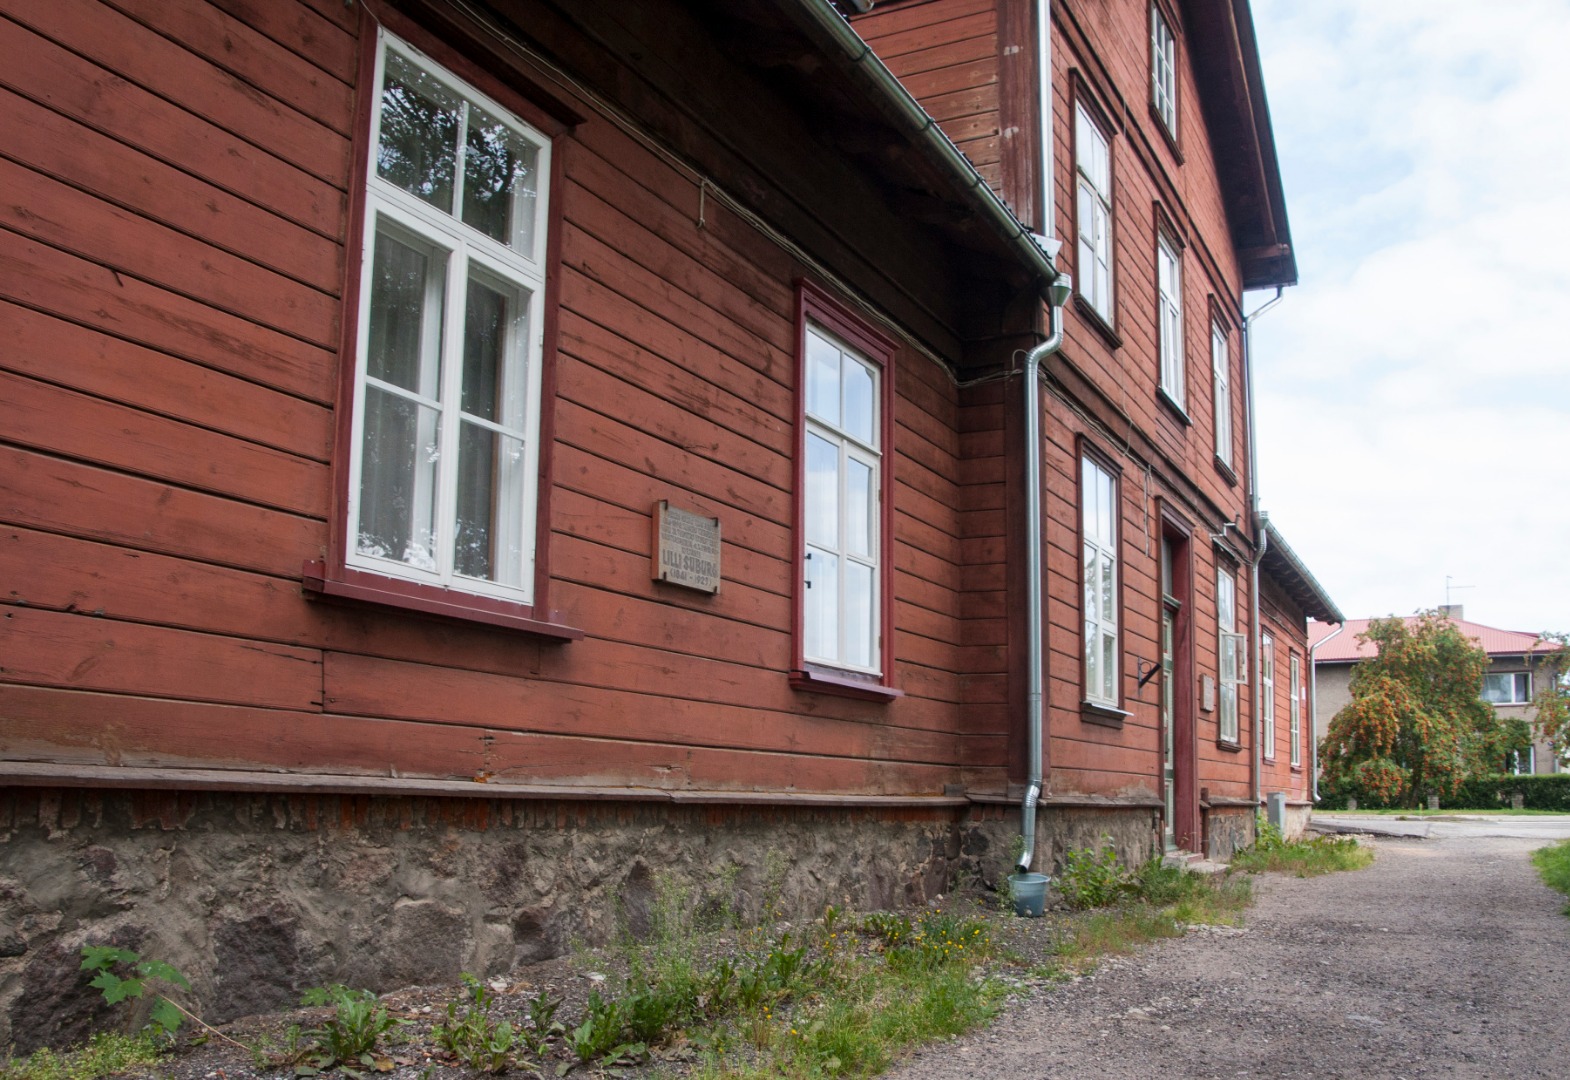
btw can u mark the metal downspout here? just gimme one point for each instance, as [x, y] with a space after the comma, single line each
[1259, 653]
[1259, 528]
[1313, 707]
[1033, 590]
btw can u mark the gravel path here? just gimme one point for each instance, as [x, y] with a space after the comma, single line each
[1446, 958]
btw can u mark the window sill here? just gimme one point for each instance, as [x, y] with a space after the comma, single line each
[1094, 712]
[1229, 745]
[359, 586]
[1173, 406]
[842, 685]
[1097, 322]
[1226, 472]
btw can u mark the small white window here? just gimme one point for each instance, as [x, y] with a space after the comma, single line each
[1221, 364]
[1163, 70]
[444, 470]
[1099, 524]
[843, 494]
[1295, 724]
[1169, 305]
[1233, 652]
[1267, 694]
[1507, 688]
[1093, 165]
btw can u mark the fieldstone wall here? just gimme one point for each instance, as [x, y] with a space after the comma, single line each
[1229, 830]
[256, 897]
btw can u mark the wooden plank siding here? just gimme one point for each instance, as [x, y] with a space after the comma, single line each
[172, 265]
[1103, 391]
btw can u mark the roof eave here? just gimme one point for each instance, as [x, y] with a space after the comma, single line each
[1232, 95]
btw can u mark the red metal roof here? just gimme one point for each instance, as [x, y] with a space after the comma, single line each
[1345, 647]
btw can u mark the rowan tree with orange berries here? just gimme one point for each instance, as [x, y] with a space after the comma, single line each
[1417, 724]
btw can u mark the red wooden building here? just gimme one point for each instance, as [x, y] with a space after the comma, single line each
[595, 434]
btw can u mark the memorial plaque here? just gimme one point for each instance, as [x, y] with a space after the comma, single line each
[686, 548]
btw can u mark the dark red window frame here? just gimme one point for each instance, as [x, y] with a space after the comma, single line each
[815, 305]
[329, 577]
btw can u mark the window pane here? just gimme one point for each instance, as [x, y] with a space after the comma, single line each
[858, 508]
[1109, 607]
[484, 351]
[859, 600]
[406, 325]
[399, 453]
[860, 412]
[489, 541]
[417, 148]
[499, 182]
[1109, 667]
[1092, 593]
[1092, 662]
[823, 379]
[823, 460]
[822, 609]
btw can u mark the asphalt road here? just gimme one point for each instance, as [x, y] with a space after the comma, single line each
[1446, 958]
[1544, 828]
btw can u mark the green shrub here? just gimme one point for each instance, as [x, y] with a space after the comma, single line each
[1090, 879]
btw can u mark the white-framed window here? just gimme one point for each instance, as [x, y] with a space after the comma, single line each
[1169, 312]
[1507, 687]
[1163, 70]
[1523, 762]
[1093, 168]
[444, 471]
[1098, 515]
[1295, 721]
[1267, 694]
[842, 504]
[1221, 365]
[1232, 650]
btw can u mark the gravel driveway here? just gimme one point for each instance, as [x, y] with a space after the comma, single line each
[1446, 958]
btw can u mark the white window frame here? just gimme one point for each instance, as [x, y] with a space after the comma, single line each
[1163, 69]
[1530, 765]
[869, 454]
[1295, 716]
[1516, 678]
[1267, 695]
[1099, 507]
[1232, 655]
[1169, 314]
[1093, 212]
[464, 252]
[1221, 365]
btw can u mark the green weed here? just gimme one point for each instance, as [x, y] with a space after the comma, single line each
[1305, 856]
[1091, 879]
[105, 1054]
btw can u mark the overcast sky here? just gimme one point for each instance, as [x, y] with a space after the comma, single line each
[1413, 392]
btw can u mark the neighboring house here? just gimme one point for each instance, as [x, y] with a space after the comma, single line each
[463, 461]
[1515, 669]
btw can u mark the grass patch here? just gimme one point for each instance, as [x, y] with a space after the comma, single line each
[1305, 856]
[1553, 863]
[1158, 902]
[106, 1054]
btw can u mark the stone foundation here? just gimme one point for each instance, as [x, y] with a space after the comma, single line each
[256, 897]
[1228, 830]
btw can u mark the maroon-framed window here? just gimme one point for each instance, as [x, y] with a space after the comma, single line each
[441, 461]
[1101, 572]
[844, 552]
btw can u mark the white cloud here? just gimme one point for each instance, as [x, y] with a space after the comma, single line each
[1414, 392]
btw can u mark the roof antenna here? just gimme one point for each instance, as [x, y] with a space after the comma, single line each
[1449, 608]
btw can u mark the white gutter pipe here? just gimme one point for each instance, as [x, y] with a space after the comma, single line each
[1313, 708]
[1259, 533]
[1057, 295]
